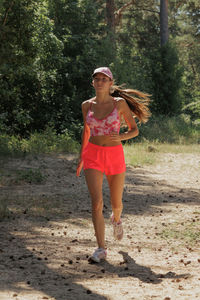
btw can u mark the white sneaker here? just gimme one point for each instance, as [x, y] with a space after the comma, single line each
[98, 254]
[117, 228]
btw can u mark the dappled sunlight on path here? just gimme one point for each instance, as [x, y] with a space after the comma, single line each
[46, 242]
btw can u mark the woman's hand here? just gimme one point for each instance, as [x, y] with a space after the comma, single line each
[79, 167]
[115, 137]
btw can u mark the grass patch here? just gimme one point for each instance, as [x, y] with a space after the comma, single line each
[138, 155]
[162, 134]
[185, 233]
[177, 148]
[30, 176]
[4, 212]
[149, 153]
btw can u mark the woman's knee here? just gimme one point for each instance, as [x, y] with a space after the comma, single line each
[117, 206]
[97, 206]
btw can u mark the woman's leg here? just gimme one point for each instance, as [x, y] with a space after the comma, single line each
[94, 179]
[116, 184]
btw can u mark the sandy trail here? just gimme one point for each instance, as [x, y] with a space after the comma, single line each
[44, 245]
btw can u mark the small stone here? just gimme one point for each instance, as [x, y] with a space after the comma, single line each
[21, 267]
[187, 263]
[180, 287]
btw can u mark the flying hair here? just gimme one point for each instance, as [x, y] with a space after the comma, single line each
[137, 101]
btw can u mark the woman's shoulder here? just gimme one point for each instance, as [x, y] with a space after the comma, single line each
[86, 104]
[119, 99]
[120, 104]
[88, 101]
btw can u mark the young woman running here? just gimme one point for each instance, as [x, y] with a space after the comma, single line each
[101, 149]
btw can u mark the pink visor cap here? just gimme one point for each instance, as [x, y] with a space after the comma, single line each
[104, 70]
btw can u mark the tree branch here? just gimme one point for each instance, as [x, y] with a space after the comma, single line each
[6, 13]
[179, 4]
[146, 9]
[119, 12]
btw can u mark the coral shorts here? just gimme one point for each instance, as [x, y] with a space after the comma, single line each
[108, 160]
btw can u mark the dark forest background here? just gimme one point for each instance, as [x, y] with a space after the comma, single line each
[48, 50]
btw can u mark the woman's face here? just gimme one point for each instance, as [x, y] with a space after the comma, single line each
[101, 82]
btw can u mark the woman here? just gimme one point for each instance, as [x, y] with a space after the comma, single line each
[101, 150]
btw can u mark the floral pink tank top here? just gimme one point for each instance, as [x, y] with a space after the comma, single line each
[106, 125]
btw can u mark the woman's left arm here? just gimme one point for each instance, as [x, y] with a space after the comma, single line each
[133, 131]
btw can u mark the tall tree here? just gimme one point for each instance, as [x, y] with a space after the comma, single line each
[164, 32]
[30, 55]
[110, 15]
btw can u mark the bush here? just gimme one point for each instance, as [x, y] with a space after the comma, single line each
[44, 142]
[166, 74]
[164, 129]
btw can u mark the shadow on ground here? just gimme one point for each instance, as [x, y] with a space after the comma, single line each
[66, 197]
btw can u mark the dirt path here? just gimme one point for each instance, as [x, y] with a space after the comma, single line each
[45, 243]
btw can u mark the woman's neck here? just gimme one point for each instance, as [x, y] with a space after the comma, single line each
[102, 97]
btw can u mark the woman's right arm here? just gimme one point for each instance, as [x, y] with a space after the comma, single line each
[85, 136]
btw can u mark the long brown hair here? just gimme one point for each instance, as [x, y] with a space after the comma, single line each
[137, 101]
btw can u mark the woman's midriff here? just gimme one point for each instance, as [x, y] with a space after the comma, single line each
[103, 140]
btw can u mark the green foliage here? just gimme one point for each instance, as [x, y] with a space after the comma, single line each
[193, 109]
[46, 142]
[48, 50]
[177, 129]
[30, 176]
[186, 34]
[30, 63]
[136, 40]
[166, 74]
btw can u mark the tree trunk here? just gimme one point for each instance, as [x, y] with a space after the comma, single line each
[110, 15]
[164, 32]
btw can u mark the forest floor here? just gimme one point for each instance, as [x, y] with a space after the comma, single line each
[47, 239]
